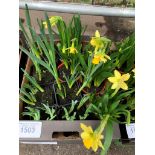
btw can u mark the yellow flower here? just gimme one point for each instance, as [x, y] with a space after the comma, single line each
[53, 20]
[97, 41]
[72, 49]
[118, 80]
[100, 56]
[90, 138]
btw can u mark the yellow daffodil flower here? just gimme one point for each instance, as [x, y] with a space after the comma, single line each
[90, 138]
[53, 20]
[97, 41]
[100, 56]
[118, 80]
[72, 49]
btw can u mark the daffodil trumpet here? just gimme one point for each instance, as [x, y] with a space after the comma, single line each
[100, 56]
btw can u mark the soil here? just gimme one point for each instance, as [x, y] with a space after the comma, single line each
[99, 90]
[46, 83]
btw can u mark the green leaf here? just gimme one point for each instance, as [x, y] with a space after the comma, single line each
[32, 80]
[26, 101]
[96, 109]
[23, 91]
[34, 58]
[108, 137]
[72, 106]
[114, 106]
[104, 100]
[125, 94]
[100, 77]
[52, 51]
[49, 111]
[83, 101]
[128, 117]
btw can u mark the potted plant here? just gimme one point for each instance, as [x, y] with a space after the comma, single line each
[52, 92]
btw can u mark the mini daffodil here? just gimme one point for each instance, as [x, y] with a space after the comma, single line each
[100, 56]
[97, 41]
[119, 80]
[72, 49]
[91, 139]
[53, 20]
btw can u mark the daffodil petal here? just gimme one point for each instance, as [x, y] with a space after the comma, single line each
[107, 56]
[124, 86]
[95, 146]
[85, 128]
[45, 24]
[114, 86]
[85, 135]
[93, 42]
[101, 145]
[103, 59]
[125, 77]
[117, 74]
[101, 137]
[97, 34]
[112, 79]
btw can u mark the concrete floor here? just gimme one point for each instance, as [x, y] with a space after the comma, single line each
[72, 149]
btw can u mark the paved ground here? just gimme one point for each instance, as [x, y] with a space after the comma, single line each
[72, 149]
[115, 28]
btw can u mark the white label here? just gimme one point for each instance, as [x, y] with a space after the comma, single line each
[30, 129]
[130, 130]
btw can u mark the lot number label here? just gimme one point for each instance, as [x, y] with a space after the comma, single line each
[30, 129]
[131, 130]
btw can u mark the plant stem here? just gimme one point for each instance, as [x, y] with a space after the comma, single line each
[114, 93]
[84, 84]
[103, 124]
[58, 82]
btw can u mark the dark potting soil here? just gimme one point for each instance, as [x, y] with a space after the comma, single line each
[46, 77]
[92, 89]
[70, 95]
[62, 70]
